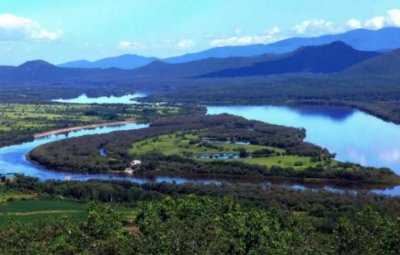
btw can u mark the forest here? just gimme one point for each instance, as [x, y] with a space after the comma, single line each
[375, 94]
[195, 219]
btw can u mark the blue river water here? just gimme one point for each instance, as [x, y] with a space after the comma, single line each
[353, 135]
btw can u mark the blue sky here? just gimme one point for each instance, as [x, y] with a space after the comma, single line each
[63, 30]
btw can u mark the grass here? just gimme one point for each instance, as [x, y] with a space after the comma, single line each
[176, 144]
[4, 197]
[46, 116]
[49, 209]
[296, 162]
[190, 145]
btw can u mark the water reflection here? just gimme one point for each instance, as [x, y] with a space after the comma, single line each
[353, 135]
[334, 113]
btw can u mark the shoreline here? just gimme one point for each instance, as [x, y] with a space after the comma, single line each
[77, 128]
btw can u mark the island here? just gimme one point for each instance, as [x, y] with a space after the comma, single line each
[217, 146]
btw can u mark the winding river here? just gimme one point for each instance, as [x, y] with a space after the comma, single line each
[13, 159]
[353, 135]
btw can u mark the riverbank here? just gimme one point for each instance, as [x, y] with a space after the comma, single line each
[77, 128]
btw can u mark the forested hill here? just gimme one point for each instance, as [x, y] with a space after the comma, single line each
[329, 58]
[199, 67]
[39, 71]
[386, 64]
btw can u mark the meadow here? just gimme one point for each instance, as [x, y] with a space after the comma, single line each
[30, 210]
[191, 145]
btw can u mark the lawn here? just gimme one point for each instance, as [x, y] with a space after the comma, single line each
[179, 144]
[296, 162]
[190, 145]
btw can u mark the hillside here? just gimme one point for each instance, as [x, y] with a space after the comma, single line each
[197, 68]
[386, 64]
[329, 58]
[127, 61]
[39, 71]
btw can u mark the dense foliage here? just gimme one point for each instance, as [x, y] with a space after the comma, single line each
[201, 225]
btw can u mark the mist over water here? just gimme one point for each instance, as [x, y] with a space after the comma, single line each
[84, 99]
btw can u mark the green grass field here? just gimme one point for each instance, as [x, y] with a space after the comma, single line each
[176, 144]
[44, 210]
[190, 145]
[47, 116]
[296, 162]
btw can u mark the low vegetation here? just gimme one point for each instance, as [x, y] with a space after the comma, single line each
[19, 122]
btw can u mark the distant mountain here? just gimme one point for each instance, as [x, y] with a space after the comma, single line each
[39, 71]
[197, 68]
[361, 39]
[330, 58]
[127, 61]
[385, 64]
[77, 64]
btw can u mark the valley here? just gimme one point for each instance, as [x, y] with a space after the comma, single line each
[277, 142]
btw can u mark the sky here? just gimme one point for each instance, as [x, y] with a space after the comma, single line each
[63, 30]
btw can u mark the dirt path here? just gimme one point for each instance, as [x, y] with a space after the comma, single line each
[92, 126]
[40, 212]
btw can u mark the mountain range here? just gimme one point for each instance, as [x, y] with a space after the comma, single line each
[330, 58]
[382, 40]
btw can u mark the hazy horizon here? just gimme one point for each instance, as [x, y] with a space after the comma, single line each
[62, 31]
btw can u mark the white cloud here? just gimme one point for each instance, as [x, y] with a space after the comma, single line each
[130, 45]
[269, 36]
[375, 23]
[15, 28]
[316, 27]
[394, 17]
[353, 24]
[185, 43]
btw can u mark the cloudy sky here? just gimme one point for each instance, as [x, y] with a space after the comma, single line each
[64, 30]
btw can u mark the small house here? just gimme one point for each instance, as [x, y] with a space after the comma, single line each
[135, 163]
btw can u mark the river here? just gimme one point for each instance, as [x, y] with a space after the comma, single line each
[354, 135]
